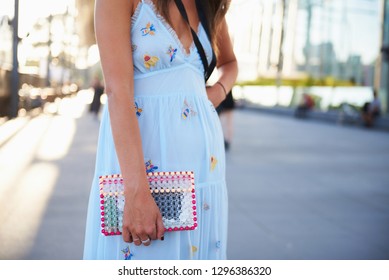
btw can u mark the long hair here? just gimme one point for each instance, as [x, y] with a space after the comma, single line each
[214, 10]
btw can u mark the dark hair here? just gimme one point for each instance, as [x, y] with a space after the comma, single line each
[214, 10]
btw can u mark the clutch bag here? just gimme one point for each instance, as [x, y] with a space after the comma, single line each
[173, 192]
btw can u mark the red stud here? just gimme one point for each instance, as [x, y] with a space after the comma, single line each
[194, 208]
[193, 201]
[102, 213]
[102, 219]
[194, 213]
[195, 224]
[102, 207]
[195, 219]
[101, 196]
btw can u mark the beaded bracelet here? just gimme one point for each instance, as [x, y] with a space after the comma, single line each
[224, 89]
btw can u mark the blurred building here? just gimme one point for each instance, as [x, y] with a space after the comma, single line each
[382, 77]
[300, 38]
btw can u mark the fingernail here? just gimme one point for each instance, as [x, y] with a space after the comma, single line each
[163, 238]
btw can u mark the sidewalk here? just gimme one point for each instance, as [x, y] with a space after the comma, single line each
[334, 116]
[298, 190]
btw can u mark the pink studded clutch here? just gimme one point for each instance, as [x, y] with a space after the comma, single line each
[173, 192]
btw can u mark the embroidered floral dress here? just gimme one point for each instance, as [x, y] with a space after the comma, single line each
[180, 130]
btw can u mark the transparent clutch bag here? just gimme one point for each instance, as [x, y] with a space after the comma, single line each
[173, 192]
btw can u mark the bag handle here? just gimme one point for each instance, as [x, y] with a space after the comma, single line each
[208, 69]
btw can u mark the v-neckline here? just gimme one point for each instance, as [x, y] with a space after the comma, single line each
[172, 31]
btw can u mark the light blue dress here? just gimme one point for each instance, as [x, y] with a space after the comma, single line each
[180, 130]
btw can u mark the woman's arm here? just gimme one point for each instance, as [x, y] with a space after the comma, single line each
[141, 217]
[226, 65]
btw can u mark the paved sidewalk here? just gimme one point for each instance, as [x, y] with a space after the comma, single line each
[298, 189]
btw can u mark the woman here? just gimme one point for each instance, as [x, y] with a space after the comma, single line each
[160, 114]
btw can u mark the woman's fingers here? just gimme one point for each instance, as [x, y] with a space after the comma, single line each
[137, 241]
[126, 236]
[160, 228]
[146, 241]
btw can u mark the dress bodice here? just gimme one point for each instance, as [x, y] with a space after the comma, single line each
[156, 46]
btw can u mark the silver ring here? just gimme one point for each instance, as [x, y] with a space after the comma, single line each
[145, 241]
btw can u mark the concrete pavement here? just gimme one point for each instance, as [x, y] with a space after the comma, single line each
[298, 189]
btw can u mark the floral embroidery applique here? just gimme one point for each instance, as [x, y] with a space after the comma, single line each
[206, 206]
[150, 61]
[194, 249]
[148, 30]
[172, 53]
[150, 167]
[218, 245]
[138, 110]
[213, 163]
[187, 111]
[127, 254]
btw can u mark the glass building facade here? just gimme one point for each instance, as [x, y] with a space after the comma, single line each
[383, 80]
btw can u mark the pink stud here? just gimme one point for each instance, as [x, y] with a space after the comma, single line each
[195, 225]
[194, 213]
[193, 190]
[194, 208]
[101, 196]
[176, 228]
[193, 201]
[103, 231]
[103, 225]
[101, 201]
[102, 207]
[102, 219]
[181, 228]
[187, 228]
[195, 219]
[102, 213]
[193, 196]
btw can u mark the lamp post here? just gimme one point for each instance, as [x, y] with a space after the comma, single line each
[14, 98]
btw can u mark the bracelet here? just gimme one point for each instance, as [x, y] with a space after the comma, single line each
[224, 89]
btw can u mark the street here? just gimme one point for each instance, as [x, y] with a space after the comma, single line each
[298, 189]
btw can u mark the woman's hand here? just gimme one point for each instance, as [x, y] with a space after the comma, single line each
[142, 220]
[216, 94]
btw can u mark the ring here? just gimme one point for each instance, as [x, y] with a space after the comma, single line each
[134, 240]
[146, 241]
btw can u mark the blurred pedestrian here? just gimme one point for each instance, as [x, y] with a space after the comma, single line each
[307, 103]
[156, 56]
[371, 110]
[98, 90]
[225, 111]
